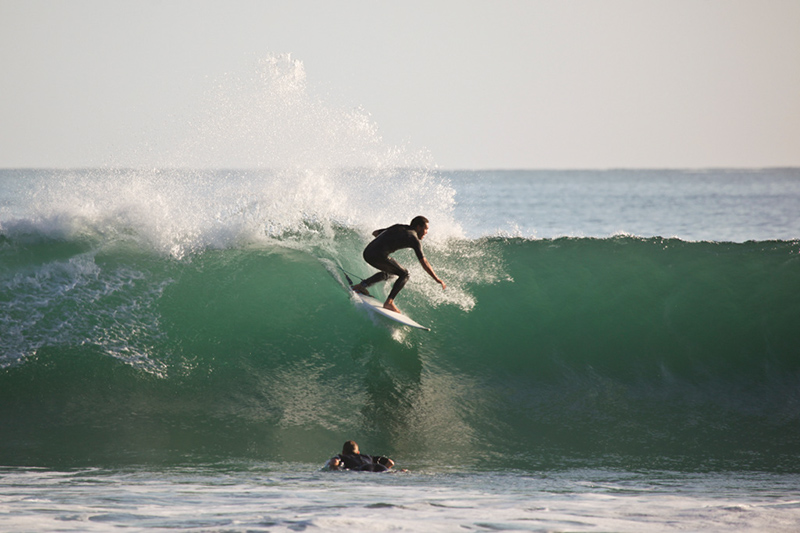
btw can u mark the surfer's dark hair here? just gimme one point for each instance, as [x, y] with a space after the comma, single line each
[349, 447]
[418, 221]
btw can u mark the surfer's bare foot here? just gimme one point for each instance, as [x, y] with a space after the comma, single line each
[391, 307]
[359, 288]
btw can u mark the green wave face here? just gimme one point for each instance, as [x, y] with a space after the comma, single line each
[542, 353]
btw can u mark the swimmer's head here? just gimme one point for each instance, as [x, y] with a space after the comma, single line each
[350, 448]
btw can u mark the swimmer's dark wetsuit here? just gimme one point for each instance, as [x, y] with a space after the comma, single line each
[363, 462]
[377, 252]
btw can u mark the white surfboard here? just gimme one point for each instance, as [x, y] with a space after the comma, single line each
[377, 306]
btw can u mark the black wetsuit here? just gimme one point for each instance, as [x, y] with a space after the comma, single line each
[377, 252]
[363, 462]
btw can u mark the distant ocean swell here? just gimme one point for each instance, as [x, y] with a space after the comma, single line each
[622, 349]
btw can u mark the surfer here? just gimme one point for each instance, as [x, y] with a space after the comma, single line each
[352, 459]
[387, 241]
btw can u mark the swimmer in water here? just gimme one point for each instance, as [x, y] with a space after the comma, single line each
[352, 459]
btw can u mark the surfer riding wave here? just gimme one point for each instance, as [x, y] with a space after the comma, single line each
[387, 241]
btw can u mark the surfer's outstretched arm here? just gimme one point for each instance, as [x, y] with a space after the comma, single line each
[429, 269]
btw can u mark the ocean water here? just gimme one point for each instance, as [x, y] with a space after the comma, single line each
[616, 350]
[692, 205]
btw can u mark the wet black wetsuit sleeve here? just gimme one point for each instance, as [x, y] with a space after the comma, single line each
[417, 247]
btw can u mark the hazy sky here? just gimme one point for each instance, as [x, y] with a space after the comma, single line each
[479, 84]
